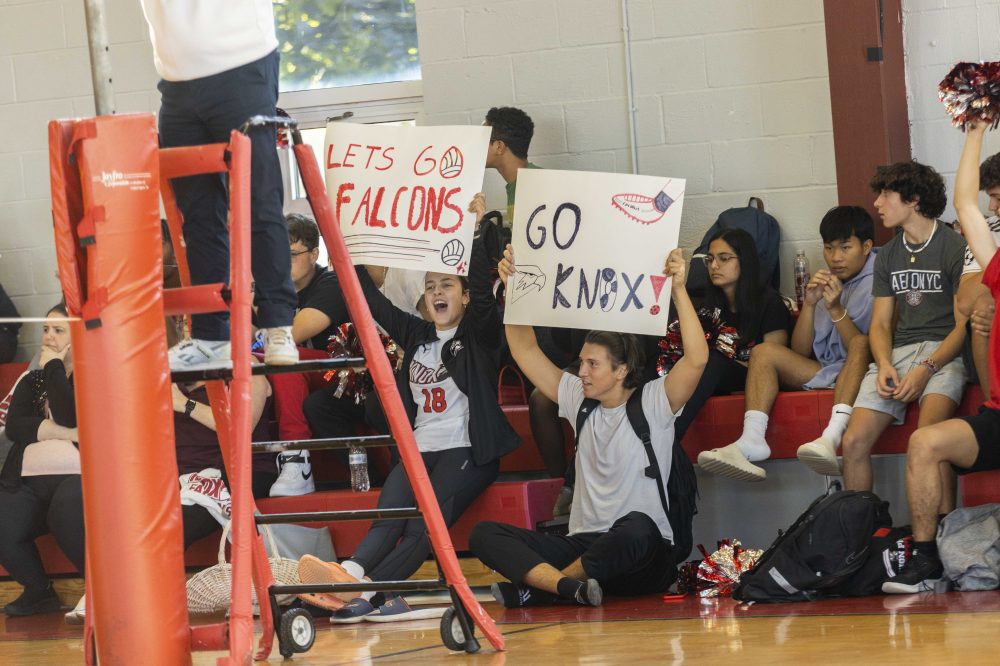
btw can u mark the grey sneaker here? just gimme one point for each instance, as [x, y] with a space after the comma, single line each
[279, 346]
[193, 354]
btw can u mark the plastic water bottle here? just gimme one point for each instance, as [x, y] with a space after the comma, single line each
[358, 460]
[801, 271]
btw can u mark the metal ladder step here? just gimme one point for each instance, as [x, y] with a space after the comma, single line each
[364, 441]
[361, 586]
[312, 365]
[330, 516]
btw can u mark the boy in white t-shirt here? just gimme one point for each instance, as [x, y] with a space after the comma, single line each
[620, 539]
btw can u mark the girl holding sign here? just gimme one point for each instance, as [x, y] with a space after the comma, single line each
[620, 539]
[448, 382]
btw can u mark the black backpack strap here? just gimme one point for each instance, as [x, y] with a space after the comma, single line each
[587, 408]
[633, 409]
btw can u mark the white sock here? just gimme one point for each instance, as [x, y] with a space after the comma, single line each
[751, 442]
[367, 596]
[353, 568]
[838, 423]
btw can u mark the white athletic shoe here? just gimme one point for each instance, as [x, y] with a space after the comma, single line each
[279, 346]
[295, 477]
[729, 461]
[78, 614]
[195, 354]
[820, 455]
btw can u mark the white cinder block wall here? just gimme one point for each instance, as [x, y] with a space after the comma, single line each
[937, 34]
[45, 74]
[732, 95]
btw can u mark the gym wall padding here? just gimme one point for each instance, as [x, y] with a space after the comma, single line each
[107, 226]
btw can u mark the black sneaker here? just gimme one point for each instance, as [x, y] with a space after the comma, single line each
[34, 602]
[919, 575]
[510, 595]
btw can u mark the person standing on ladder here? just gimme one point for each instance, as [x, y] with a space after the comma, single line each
[219, 66]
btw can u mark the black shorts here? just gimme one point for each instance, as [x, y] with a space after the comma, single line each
[986, 426]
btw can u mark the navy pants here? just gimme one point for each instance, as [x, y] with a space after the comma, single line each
[631, 558]
[204, 111]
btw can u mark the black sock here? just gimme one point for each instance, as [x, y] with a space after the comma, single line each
[926, 548]
[571, 589]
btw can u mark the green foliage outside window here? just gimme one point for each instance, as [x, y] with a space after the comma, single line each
[332, 43]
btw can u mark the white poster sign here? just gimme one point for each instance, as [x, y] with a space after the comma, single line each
[402, 193]
[590, 250]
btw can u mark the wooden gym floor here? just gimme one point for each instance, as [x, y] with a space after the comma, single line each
[954, 628]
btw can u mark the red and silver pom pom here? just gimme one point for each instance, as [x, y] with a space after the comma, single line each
[720, 572]
[344, 343]
[971, 93]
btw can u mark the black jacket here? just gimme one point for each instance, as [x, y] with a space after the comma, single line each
[472, 358]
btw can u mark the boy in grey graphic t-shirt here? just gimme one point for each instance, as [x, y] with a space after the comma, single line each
[917, 274]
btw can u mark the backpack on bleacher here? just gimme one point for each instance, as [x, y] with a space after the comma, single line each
[766, 235]
[824, 548]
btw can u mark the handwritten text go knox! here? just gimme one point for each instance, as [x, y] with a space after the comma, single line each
[590, 250]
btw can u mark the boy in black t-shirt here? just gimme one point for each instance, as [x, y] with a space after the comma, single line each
[917, 274]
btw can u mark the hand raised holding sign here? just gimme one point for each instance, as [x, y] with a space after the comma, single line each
[676, 268]
[506, 267]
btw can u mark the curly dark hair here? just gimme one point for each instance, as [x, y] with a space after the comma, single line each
[989, 172]
[913, 181]
[512, 126]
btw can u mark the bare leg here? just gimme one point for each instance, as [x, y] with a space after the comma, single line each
[935, 409]
[950, 442]
[859, 355]
[773, 366]
[863, 431]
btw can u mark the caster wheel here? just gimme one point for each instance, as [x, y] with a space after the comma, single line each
[296, 633]
[453, 636]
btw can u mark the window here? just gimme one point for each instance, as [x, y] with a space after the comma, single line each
[348, 55]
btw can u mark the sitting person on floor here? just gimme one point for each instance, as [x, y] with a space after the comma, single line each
[917, 351]
[620, 539]
[833, 321]
[738, 313]
[40, 489]
[448, 383]
[968, 444]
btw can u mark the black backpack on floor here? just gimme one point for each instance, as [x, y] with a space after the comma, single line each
[819, 552]
[682, 484]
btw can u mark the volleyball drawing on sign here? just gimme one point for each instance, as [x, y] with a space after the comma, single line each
[452, 252]
[451, 163]
[642, 208]
[527, 280]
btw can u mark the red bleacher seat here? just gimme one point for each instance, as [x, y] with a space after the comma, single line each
[9, 372]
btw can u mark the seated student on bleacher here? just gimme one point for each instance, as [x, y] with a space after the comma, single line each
[620, 539]
[448, 384]
[917, 274]
[834, 318]
[319, 311]
[974, 298]
[40, 488]
[968, 444]
[198, 453]
[738, 313]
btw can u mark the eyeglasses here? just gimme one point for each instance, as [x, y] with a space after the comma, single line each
[721, 259]
[298, 253]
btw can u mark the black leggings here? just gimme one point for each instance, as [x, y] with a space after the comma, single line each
[395, 549]
[629, 559]
[721, 376]
[51, 503]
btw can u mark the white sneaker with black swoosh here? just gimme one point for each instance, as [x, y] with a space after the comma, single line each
[295, 476]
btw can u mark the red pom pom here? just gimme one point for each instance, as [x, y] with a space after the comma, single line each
[344, 343]
[971, 93]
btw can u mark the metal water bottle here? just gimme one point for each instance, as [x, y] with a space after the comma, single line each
[801, 272]
[358, 460]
